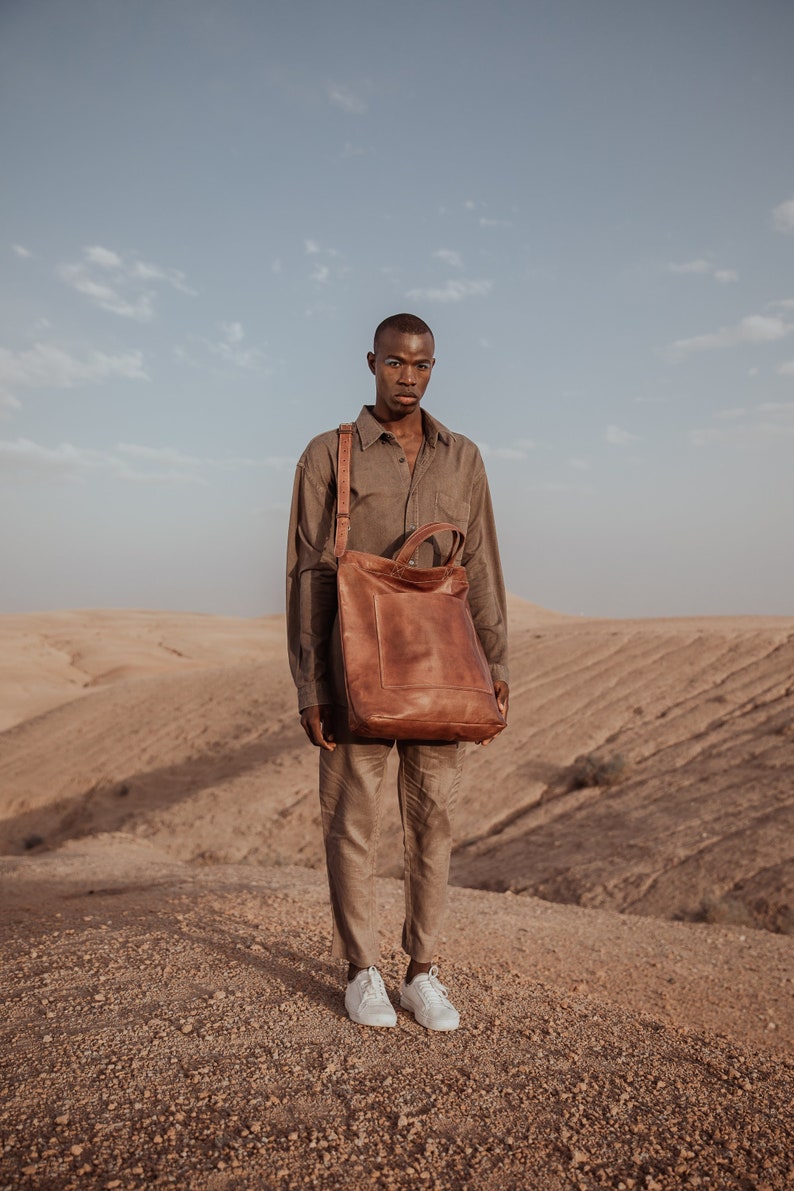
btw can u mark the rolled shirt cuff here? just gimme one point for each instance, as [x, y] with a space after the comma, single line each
[500, 674]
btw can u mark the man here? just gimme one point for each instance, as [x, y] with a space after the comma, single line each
[406, 470]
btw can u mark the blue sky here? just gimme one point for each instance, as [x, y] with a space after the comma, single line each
[207, 207]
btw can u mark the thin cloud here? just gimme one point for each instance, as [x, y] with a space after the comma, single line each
[697, 266]
[146, 271]
[324, 271]
[140, 308]
[449, 257]
[783, 217]
[617, 437]
[351, 150]
[127, 288]
[455, 290]
[67, 461]
[104, 257]
[511, 453]
[229, 347]
[20, 250]
[704, 267]
[486, 222]
[47, 366]
[786, 369]
[768, 424]
[233, 333]
[167, 456]
[561, 488]
[234, 463]
[783, 409]
[756, 434]
[131, 462]
[755, 328]
[314, 248]
[342, 97]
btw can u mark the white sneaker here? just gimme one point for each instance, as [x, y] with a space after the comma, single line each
[367, 1001]
[427, 999]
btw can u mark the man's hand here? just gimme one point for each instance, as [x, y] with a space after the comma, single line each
[316, 723]
[502, 692]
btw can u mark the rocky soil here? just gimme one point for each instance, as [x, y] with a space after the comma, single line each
[180, 1025]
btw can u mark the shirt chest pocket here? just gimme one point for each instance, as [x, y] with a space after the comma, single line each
[452, 508]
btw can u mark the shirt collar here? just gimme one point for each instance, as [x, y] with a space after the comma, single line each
[370, 429]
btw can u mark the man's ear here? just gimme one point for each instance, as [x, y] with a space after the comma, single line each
[371, 361]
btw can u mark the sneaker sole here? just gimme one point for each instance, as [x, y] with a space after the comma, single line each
[378, 1025]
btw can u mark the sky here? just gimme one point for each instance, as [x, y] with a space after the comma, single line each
[207, 207]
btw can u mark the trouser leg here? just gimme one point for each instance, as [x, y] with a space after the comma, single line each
[351, 779]
[428, 783]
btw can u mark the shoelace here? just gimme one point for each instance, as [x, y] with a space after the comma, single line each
[373, 987]
[432, 989]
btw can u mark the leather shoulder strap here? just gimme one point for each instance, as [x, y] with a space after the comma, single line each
[343, 489]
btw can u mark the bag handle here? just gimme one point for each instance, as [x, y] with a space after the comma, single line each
[427, 531]
[343, 489]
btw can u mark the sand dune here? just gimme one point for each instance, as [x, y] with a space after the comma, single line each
[170, 1013]
[49, 658]
[209, 761]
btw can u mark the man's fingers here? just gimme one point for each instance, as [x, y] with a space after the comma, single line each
[502, 692]
[314, 720]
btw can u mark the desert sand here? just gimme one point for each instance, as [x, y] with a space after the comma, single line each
[619, 938]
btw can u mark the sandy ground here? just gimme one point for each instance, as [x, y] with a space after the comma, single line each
[182, 1024]
[171, 1016]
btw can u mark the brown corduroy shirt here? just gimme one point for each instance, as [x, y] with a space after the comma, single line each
[386, 504]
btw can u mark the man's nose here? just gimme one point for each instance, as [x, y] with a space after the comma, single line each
[408, 375]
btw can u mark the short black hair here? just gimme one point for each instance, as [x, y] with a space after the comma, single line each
[406, 324]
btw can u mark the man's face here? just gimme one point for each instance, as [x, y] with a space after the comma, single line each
[401, 366]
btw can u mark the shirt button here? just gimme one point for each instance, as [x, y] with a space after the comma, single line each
[411, 562]
[402, 459]
[411, 528]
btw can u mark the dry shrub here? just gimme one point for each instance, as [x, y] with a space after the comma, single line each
[730, 910]
[592, 770]
[727, 910]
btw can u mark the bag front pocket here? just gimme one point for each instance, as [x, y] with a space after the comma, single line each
[429, 640]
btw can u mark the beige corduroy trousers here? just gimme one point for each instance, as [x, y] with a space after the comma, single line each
[351, 792]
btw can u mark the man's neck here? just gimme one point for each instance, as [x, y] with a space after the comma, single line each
[406, 429]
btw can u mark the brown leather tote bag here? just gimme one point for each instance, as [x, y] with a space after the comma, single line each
[414, 665]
